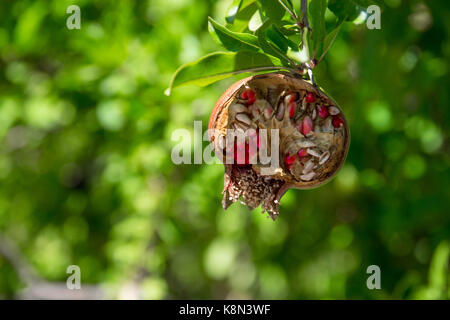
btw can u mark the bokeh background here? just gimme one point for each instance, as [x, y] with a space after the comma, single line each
[86, 176]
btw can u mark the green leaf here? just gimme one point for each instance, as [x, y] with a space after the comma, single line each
[220, 65]
[288, 28]
[317, 19]
[329, 39]
[232, 41]
[233, 10]
[268, 47]
[289, 8]
[438, 273]
[299, 56]
[242, 18]
[302, 55]
[277, 37]
[256, 21]
[272, 9]
[346, 9]
[289, 4]
[236, 8]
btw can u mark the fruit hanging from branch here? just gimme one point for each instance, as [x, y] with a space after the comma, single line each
[311, 147]
[281, 101]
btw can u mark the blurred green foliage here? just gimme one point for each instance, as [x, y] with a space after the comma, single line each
[86, 176]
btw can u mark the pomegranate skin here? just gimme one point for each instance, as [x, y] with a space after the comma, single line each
[219, 120]
[226, 96]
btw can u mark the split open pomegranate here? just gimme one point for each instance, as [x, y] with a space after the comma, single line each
[311, 131]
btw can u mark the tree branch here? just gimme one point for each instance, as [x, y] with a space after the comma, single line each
[38, 288]
[304, 9]
[10, 252]
[292, 13]
[305, 31]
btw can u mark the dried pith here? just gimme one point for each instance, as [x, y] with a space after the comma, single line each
[313, 136]
[253, 189]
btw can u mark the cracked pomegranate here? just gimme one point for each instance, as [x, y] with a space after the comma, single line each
[313, 139]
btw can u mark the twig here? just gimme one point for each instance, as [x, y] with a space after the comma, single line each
[305, 30]
[311, 75]
[304, 9]
[10, 252]
[292, 13]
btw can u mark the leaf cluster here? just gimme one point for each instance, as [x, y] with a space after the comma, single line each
[262, 35]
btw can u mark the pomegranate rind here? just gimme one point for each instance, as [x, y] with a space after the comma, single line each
[219, 120]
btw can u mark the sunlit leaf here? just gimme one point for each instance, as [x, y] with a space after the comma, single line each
[236, 7]
[243, 16]
[256, 21]
[272, 9]
[268, 46]
[233, 10]
[221, 65]
[276, 36]
[232, 41]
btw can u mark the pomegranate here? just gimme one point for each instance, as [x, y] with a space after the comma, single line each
[312, 131]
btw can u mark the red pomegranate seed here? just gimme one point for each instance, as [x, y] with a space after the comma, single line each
[244, 94]
[293, 97]
[307, 125]
[289, 160]
[337, 122]
[323, 112]
[302, 153]
[310, 97]
[249, 95]
[292, 109]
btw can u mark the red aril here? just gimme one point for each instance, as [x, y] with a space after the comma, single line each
[337, 122]
[249, 95]
[307, 125]
[302, 153]
[292, 109]
[310, 97]
[323, 112]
